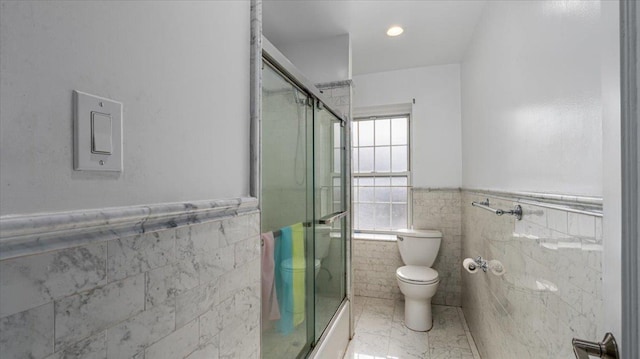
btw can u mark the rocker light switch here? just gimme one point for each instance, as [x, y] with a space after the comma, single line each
[101, 133]
[97, 139]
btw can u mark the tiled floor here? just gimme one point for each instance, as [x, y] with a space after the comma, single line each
[381, 334]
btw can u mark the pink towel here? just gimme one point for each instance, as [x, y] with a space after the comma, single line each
[270, 309]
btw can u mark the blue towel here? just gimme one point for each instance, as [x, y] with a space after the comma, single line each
[284, 251]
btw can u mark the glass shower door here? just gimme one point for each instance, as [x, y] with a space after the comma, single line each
[330, 214]
[303, 216]
[287, 215]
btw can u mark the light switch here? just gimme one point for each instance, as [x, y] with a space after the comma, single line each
[101, 135]
[97, 139]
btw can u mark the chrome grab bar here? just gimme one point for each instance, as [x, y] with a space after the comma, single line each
[607, 348]
[516, 211]
[330, 218]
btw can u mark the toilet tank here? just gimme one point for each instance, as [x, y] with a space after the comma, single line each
[418, 247]
[323, 241]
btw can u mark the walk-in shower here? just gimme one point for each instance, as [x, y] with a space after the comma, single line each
[304, 212]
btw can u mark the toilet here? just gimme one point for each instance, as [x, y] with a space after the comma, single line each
[290, 266]
[322, 244]
[418, 282]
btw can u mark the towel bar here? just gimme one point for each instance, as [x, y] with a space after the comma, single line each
[516, 211]
[278, 232]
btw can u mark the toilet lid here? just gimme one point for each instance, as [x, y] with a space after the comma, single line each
[290, 264]
[417, 274]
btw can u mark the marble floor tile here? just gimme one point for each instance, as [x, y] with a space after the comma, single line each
[405, 343]
[398, 311]
[383, 307]
[368, 346]
[381, 333]
[450, 353]
[374, 323]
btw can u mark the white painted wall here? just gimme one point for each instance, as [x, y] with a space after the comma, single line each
[435, 117]
[323, 60]
[180, 68]
[531, 99]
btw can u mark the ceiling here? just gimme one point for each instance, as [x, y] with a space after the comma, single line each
[436, 32]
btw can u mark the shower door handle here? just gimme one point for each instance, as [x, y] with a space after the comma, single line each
[607, 348]
[330, 218]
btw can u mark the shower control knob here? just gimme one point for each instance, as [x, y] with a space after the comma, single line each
[400, 238]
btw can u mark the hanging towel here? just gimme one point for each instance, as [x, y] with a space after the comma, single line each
[298, 276]
[270, 310]
[290, 285]
[284, 282]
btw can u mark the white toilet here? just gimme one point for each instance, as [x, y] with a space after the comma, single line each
[418, 282]
[322, 244]
[289, 266]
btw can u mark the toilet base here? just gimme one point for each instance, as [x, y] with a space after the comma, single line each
[417, 314]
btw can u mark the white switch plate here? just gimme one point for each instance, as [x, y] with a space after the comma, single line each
[85, 159]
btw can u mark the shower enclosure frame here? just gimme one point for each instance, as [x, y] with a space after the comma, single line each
[630, 153]
[281, 64]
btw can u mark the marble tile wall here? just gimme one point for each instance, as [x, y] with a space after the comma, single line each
[440, 209]
[551, 291]
[375, 261]
[338, 94]
[188, 292]
[374, 268]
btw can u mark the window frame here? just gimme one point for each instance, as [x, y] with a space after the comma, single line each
[379, 115]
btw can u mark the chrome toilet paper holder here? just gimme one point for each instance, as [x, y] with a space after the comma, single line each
[479, 263]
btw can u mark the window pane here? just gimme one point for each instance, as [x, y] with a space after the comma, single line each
[383, 181]
[399, 131]
[366, 160]
[337, 207]
[399, 216]
[399, 181]
[337, 160]
[383, 216]
[399, 194]
[383, 159]
[366, 216]
[383, 194]
[399, 159]
[383, 132]
[366, 194]
[354, 160]
[356, 216]
[380, 146]
[366, 181]
[366, 133]
[336, 135]
[354, 133]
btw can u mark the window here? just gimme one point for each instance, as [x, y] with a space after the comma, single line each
[381, 178]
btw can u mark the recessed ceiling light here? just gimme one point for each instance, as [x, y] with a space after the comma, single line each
[395, 31]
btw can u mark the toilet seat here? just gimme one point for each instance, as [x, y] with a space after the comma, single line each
[417, 275]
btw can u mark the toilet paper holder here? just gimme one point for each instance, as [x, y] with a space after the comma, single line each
[479, 263]
[494, 265]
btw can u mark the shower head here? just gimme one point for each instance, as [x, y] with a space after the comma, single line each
[299, 97]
